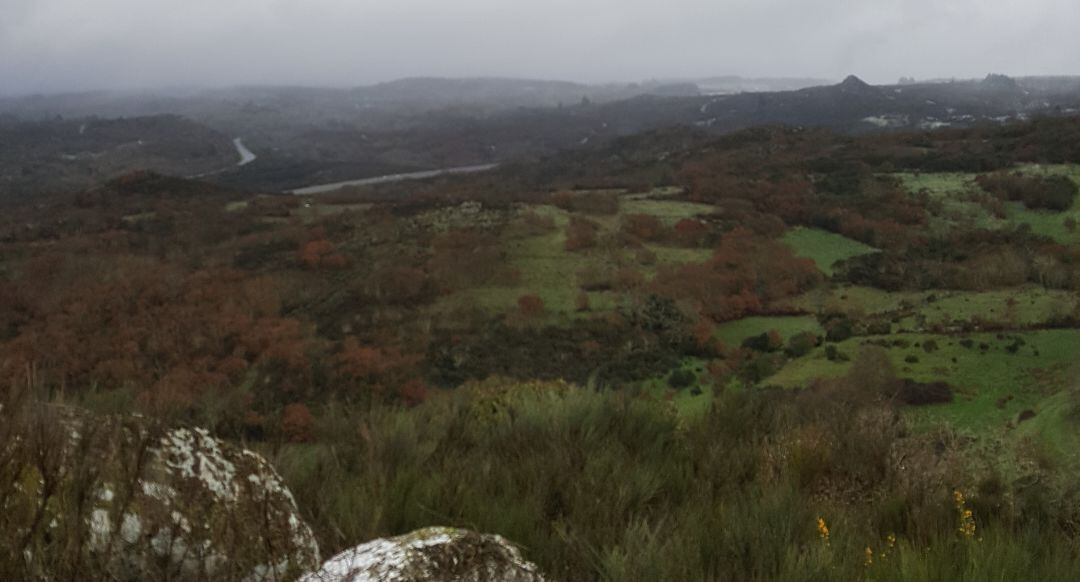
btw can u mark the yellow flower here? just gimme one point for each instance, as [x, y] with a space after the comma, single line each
[869, 556]
[966, 517]
[823, 530]
[891, 539]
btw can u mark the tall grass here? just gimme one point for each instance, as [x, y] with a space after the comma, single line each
[597, 486]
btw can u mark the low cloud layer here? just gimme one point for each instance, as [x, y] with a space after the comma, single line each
[63, 45]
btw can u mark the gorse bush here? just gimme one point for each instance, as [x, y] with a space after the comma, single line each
[601, 486]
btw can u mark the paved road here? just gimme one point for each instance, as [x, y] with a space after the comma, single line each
[323, 188]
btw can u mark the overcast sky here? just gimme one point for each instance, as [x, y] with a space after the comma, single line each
[58, 45]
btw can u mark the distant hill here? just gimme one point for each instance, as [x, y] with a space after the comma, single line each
[305, 136]
[489, 92]
[62, 154]
[735, 84]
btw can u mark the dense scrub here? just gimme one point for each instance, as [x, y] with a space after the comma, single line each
[1052, 193]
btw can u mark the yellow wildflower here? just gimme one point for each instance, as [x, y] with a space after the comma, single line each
[823, 530]
[967, 518]
[869, 556]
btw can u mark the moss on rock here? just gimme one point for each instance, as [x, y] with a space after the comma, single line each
[126, 498]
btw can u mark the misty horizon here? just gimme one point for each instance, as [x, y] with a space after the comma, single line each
[61, 46]
[180, 90]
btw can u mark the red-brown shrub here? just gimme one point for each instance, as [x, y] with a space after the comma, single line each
[297, 423]
[531, 305]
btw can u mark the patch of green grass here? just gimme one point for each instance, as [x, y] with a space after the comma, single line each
[825, 248]
[687, 404]
[1032, 305]
[852, 299]
[669, 256]
[548, 270]
[950, 190]
[1051, 224]
[733, 333]
[141, 217]
[1039, 369]
[668, 211]
[937, 183]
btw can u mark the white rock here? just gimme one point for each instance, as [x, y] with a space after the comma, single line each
[436, 553]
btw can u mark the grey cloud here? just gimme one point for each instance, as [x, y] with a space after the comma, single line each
[50, 45]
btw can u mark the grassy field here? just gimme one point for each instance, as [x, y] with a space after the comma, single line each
[981, 376]
[1031, 305]
[690, 402]
[853, 300]
[668, 211]
[825, 248]
[733, 333]
[922, 309]
[1051, 224]
[952, 190]
[550, 271]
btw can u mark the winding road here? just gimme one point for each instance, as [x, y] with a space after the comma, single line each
[246, 156]
[323, 188]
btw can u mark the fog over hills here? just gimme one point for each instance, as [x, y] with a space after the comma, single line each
[305, 136]
[68, 45]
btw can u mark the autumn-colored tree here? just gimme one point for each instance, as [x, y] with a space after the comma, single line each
[360, 361]
[374, 372]
[530, 305]
[580, 234]
[645, 227]
[413, 392]
[703, 334]
[563, 199]
[690, 232]
[321, 253]
[171, 336]
[745, 273]
[297, 423]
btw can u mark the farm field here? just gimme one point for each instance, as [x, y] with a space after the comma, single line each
[825, 248]
[955, 191]
[552, 273]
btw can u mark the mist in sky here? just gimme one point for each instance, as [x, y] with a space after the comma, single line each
[69, 45]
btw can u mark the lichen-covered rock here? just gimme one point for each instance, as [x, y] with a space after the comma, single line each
[431, 554]
[128, 499]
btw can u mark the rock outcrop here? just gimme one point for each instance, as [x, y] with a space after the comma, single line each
[124, 498]
[430, 554]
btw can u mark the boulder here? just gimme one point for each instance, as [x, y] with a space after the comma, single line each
[125, 498]
[430, 554]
